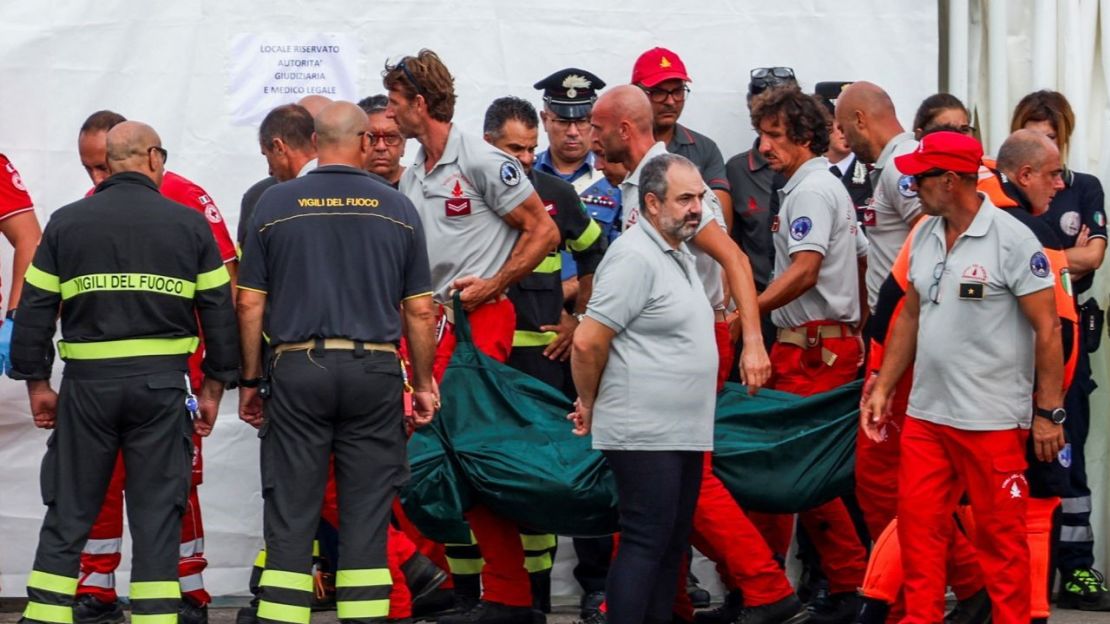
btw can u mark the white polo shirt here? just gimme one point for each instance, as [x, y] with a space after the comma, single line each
[975, 353]
[888, 215]
[462, 202]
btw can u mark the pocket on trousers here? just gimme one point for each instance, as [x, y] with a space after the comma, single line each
[48, 473]
[1009, 471]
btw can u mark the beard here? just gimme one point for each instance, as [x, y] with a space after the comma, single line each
[682, 228]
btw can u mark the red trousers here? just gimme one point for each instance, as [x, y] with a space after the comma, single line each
[504, 577]
[938, 465]
[101, 555]
[843, 557]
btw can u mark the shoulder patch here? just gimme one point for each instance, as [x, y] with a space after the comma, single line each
[1100, 218]
[800, 227]
[1038, 264]
[905, 186]
[212, 213]
[510, 174]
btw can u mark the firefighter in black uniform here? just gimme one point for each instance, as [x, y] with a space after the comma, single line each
[543, 327]
[338, 257]
[129, 272]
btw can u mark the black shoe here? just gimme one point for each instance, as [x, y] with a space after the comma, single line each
[1084, 589]
[88, 610]
[698, 596]
[247, 615]
[437, 602]
[872, 611]
[725, 613]
[838, 608]
[486, 612]
[422, 576]
[595, 617]
[590, 604]
[975, 609]
[190, 613]
[789, 610]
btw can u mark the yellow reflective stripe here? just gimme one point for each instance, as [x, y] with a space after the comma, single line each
[537, 542]
[260, 560]
[143, 282]
[127, 348]
[523, 338]
[550, 264]
[52, 582]
[286, 580]
[41, 279]
[238, 251]
[315, 542]
[363, 578]
[214, 278]
[583, 242]
[48, 613]
[465, 566]
[351, 609]
[155, 590]
[153, 618]
[283, 613]
[539, 563]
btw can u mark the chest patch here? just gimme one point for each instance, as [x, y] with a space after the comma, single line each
[1069, 223]
[457, 207]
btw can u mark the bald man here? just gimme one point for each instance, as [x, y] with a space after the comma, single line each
[865, 113]
[334, 323]
[130, 273]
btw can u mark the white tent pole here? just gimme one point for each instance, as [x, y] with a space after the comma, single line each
[958, 18]
[998, 77]
[1044, 44]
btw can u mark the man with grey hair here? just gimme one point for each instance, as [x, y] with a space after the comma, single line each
[387, 146]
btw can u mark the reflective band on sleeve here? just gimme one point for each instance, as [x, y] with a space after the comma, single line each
[142, 282]
[155, 590]
[550, 264]
[52, 582]
[108, 546]
[522, 338]
[536, 542]
[153, 618]
[583, 242]
[260, 560]
[213, 279]
[1078, 505]
[539, 563]
[192, 582]
[1073, 534]
[465, 566]
[286, 580]
[127, 348]
[315, 548]
[48, 613]
[99, 579]
[283, 613]
[363, 578]
[41, 279]
[353, 609]
[192, 548]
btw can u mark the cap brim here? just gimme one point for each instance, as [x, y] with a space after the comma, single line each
[664, 76]
[912, 164]
[571, 111]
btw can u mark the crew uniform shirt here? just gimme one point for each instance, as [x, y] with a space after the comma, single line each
[462, 202]
[336, 252]
[751, 179]
[709, 271]
[1079, 204]
[888, 217]
[975, 353]
[817, 215]
[703, 152]
[657, 389]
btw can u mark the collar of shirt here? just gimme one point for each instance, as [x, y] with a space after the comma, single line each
[756, 161]
[544, 164]
[979, 227]
[681, 136]
[844, 165]
[341, 169]
[888, 149]
[809, 167]
[450, 153]
[308, 166]
[634, 177]
[127, 177]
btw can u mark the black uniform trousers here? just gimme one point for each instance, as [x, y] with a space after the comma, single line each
[1076, 546]
[145, 416]
[330, 401]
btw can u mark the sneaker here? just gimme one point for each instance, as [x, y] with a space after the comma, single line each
[723, 614]
[590, 604]
[699, 597]
[422, 576]
[595, 617]
[190, 613]
[1083, 589]
[486, 612]
[247, 615]
[88, 609]
[789, 610]
[838, 608]
[974, 609]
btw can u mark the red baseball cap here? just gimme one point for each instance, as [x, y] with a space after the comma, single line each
[657, 65]
[949, 151]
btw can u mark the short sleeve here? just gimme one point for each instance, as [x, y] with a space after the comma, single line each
[862, 244]
[711, 211]
[418, 272]
[1094, 207]
[14, 197]
[903, 201]
[622, 288]
[713, 169]
[809, 221]
[500, 180]
[1026, 267]
[253, 274]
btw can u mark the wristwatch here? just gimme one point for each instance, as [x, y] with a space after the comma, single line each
[1057, 416]
[250, 383]
[578, 316]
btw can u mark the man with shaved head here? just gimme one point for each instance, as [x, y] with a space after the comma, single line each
[130, 273]
[335, 383]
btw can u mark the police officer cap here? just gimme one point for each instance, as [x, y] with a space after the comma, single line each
[570, 93]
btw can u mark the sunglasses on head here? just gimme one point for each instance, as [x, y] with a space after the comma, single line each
[782, 73]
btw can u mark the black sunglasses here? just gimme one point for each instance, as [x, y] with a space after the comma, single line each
[412, 79]
[783, 73]
[161, 150]
[932, 173]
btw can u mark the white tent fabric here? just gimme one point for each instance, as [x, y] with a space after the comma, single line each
[168, 64]
[998, 52]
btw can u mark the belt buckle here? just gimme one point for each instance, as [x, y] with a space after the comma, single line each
[813, 336]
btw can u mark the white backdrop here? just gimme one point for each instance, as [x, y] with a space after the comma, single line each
[167, 64]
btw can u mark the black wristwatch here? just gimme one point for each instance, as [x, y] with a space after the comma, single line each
[254, 382]
[1057, 416]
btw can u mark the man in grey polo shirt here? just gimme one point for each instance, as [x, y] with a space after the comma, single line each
[646, 332]
[866, 115]
[979, 320]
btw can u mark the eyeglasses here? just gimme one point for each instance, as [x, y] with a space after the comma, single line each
[932, 173]
[563, 124]
[934, 290]
[782, 73]
[391, 140]
[161, 151]
[660, 95]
